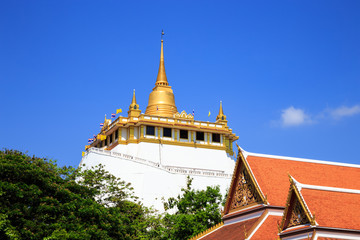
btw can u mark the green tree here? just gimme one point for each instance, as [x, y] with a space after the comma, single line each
[109, 190]
[39, 200]
[116, 194]
[195, 211]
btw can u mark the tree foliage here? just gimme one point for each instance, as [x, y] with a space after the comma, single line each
[39, 200]
[195, 211]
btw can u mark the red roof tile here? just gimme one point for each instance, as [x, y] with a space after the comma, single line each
[333, 209]
[231, 231]
[268, 230]
[271, 175]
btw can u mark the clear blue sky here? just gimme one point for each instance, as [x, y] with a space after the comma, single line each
[288, 72]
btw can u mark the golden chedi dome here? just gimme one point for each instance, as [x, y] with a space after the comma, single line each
[161, 99]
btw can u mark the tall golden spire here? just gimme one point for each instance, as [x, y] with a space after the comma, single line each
[161, 77]
[161, 99]
[221, 117]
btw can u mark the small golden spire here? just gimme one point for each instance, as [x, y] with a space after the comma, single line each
[161, 77]
[221, 117]
[133, 99]
[221, 110]
[134, 105]
[106, 123]
[134, 110]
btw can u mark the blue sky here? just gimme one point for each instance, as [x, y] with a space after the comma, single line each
[288, 72]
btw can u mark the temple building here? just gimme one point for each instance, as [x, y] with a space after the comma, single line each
[157, 149]
[275, 197]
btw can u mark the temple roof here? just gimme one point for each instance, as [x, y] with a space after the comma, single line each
[313, 208]
[329, 199]
[271, 174]
[232, 231]
[330, 207]
[267, 229]
[333, 209]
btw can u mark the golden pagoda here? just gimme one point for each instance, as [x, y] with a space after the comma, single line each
[161, 122]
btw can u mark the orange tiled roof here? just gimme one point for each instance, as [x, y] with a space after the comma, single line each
[268, 230]
[333, 209]
[272, 175]
[296, 228]
[231, 231]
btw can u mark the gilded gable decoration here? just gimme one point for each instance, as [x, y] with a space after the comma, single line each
[296, 213]
[298, 216]
[184, 115]
[245, 191]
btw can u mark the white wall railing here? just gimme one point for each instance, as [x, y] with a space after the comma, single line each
[170, 169]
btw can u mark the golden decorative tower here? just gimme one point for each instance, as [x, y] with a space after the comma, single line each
[221, 117]
[161, 99]
[107, 122]
[134, 110]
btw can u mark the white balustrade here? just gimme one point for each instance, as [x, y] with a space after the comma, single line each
[170, 169]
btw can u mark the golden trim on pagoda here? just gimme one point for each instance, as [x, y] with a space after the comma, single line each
[132, 129]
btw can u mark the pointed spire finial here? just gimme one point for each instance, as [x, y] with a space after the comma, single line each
[221, 116]
[161, 77]
[221, 109]
[106, 122]
[133, 99]
[134, 110]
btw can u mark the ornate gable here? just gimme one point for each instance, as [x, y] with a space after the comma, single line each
[297, 216]
[296, 212]
[243, 189]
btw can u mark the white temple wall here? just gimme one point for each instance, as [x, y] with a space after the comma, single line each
[150, 183]
[181, 156]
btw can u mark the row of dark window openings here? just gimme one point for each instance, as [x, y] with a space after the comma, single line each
[184, 134]
[104, 142]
